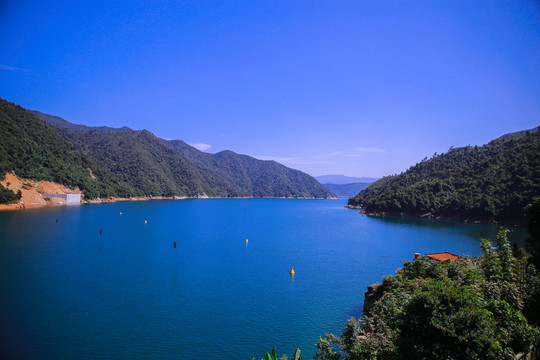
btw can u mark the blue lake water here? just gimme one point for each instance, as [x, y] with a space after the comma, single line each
[67, 292]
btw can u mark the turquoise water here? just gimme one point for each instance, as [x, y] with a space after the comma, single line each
[68, 292]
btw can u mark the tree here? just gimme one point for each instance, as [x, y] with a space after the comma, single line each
[7, 196]
[532, 244]
[443, 320]
[532, 307]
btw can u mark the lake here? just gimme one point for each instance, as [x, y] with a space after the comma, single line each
[69, 292]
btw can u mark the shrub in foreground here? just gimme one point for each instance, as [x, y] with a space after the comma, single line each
[468, 309]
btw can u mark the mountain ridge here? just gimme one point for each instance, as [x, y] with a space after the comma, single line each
[58, 123]
[140, 158]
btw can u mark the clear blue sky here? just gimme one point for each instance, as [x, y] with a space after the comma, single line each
[361, 88]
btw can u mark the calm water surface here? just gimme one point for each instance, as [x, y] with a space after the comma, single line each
[68, 292]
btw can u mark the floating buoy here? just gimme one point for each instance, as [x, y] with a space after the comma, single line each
[100, 232]
[120, 213]
[291, 272]
[175, 244]
[145, 221]
[246, 241]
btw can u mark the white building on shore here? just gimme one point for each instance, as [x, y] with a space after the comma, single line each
[68, 198]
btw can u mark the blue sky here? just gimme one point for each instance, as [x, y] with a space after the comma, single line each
[360, 88]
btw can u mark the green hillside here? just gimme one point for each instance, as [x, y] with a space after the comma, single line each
[142, 160]
[493, 182]
[254, 177]
[33, 150]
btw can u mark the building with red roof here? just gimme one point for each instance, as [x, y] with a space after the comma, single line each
[442, 256]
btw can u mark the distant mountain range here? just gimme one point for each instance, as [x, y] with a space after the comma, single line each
[345, 186]
[105, 162]
[346, 190]
[342, 179]
[490, 183]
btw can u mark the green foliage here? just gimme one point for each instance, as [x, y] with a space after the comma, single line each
[472, 308]
[493, 182]
[141, 160]
[33, 150]
[445, 320]
[7, 196]
[274, 356]
[533, 227]
[532, 308]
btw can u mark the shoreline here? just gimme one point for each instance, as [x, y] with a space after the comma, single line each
[446, 218]
[27, 206]
[35, 194]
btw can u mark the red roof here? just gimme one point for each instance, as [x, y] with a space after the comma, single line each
[443, 256]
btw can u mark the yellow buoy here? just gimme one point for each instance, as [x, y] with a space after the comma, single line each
[120, 213]
[246, 241]
[291, 272]
[145, 221]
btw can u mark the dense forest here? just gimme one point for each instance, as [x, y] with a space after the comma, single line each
[140, 159]
[120, 162]
[33, 150]
[493, 182]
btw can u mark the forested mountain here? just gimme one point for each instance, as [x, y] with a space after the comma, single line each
[254, 177]
[157, 167]
[493, 182]
[33, 150]
[142, 160]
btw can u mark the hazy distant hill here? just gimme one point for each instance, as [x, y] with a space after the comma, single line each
[33, 150]
[342, 179]
[346, 190]
[493, 182]
[254, 177]
[159, 167]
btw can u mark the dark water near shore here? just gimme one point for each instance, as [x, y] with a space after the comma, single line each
[68, 292]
